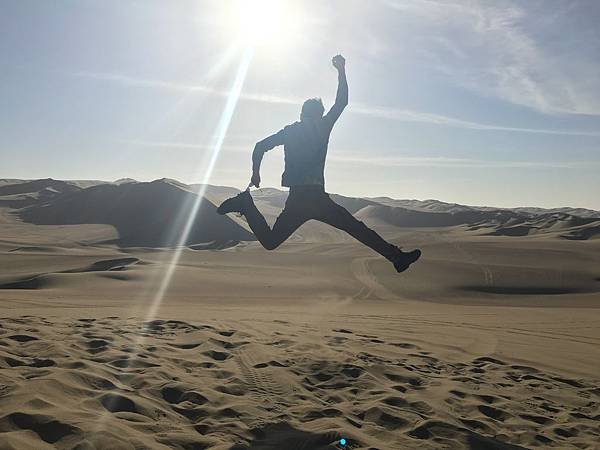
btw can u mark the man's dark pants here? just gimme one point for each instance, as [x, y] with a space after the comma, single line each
[312, 202]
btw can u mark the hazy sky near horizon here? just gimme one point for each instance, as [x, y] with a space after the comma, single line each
[474, 102]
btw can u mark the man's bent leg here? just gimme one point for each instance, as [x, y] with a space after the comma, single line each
[287, 222]
[339, 217]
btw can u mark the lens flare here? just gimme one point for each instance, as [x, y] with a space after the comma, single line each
[205, 170]
[208, 168]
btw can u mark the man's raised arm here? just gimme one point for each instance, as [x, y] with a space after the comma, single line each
[259, 150]
[341, 98]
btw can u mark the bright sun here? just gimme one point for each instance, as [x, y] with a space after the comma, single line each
[264, 23]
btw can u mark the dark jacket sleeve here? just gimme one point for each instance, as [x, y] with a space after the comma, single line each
[341, 101]
[270, 142]
[264, 146]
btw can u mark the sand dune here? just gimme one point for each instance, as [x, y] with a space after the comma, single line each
[426, 205]
[438, 206]
[493, 223]
[489, 342]
[161, 207]
[558, 224]
[257, 368]
[578, 212]
[58, 202]
[215, 194]
[18, 194]
[45, 280]
[402, 217]
[34, 186]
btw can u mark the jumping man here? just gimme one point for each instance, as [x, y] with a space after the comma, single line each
[305, 148]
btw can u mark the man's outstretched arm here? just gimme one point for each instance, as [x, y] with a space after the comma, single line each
[259, 150]
[341, 98]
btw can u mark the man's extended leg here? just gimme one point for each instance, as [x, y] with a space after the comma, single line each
[339, 217]
[288, 221]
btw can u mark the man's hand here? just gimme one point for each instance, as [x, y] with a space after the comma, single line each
[339, 62]
[255, 180]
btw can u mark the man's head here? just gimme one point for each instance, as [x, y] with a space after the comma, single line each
[312, 109]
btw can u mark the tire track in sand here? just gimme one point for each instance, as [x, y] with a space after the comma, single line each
[361, 271]
[261, 385]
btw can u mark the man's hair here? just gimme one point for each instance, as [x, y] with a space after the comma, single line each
[312, 109]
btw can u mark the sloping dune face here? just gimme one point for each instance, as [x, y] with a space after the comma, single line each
[145, 214]
[403, 217]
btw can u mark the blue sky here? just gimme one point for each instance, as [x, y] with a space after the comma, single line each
[485, 103]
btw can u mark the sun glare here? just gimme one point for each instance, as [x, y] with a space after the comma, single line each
[264, 23]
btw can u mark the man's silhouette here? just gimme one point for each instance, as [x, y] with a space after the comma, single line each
[305, 148]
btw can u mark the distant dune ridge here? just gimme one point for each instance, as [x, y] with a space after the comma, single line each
[439, 206]
[161, 206]
[20, 193]
[493, 222]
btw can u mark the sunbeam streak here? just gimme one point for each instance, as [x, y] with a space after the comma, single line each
[207, 168]
[204, 172]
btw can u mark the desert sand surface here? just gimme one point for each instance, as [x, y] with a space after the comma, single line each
[491, 341]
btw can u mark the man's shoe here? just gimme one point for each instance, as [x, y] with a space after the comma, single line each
[404, 259]
[234, 204]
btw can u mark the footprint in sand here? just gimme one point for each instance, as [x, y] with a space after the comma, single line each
[22, 338]
[494, 413]
[96, 345]
[177, 394]
[217, 356]
[33, 362]
[48, 429]
[118, 403]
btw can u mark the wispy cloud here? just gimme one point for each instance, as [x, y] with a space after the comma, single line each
[354, 157]
[445, 162]
[394, 114]
[509, 50]
[181, 87]
[177, 145]
[416, 116]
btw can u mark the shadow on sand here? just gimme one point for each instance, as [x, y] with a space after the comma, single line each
[277, 436]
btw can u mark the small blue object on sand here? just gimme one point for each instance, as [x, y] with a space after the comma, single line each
[342, 441]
